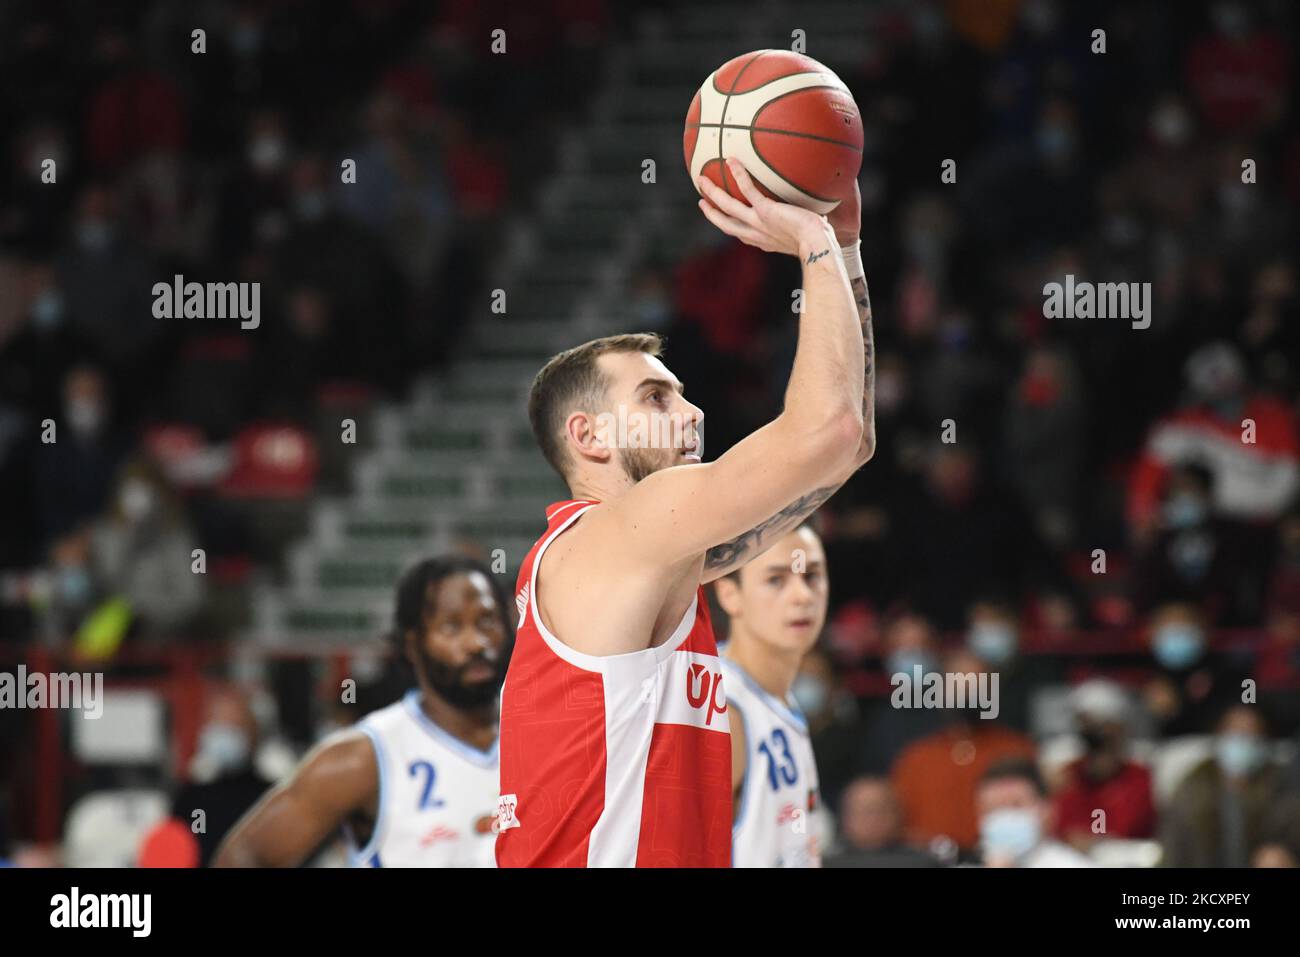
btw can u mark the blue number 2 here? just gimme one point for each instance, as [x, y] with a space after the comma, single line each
[788, 770]
[427, 800]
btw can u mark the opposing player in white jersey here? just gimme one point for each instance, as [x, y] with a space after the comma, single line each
[777, 606]
[414, 784]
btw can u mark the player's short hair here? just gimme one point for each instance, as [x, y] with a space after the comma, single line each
[1015, 769]
[418, 585]
[572, 380]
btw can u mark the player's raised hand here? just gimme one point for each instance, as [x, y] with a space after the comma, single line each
[769, 224]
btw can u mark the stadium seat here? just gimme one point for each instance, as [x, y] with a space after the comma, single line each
[106, 828]
[271, 461]
[132, 730]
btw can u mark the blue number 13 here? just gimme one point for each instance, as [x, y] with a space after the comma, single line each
[787, 771]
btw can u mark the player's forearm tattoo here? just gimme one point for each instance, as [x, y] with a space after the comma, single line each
[863, 298]
[813, 257]
[760, 537]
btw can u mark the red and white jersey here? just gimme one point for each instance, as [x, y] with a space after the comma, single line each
[778, 813]
[612, 761]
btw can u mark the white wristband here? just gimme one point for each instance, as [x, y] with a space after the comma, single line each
[853, 260]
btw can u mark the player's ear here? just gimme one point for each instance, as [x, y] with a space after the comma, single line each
[727, 589]
[593, 435]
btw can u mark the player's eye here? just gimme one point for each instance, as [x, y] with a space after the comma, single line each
[774, 579]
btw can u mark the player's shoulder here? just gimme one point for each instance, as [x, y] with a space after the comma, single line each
[741, 686]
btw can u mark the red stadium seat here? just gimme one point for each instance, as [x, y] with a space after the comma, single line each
[272, 460]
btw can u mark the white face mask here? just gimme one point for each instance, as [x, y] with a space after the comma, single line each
[267, 153]
[226, 746]
[136, 499]
[1010, 832]
[85, 416]
[810, 694]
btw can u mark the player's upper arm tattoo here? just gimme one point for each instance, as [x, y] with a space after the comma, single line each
[748, 544]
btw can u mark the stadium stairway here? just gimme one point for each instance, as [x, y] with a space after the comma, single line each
[457, 465]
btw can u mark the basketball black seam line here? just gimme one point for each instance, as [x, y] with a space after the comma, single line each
[754, 147]
[765, 129]
[783, 76]
[776, 172]
[722, 162]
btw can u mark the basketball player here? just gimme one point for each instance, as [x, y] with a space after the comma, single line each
[777, 606]
[415, 783]
[614, 729]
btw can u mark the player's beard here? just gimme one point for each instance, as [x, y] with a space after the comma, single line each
[448, 682]
[639, 463]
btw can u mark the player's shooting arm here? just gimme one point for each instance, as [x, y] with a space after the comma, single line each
[793, 463]
[337, 779]
[722, 559]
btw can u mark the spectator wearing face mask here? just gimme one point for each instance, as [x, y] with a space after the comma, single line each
[1104, 779]
[993, 636]
[832, 715]
[73, 475]
[143, 552]
[1192, 684]
[909, 642]
[226, 782]
[1199, 557]
[1234, 804]
[1015, 819]
[871, 829]
[1042, 421]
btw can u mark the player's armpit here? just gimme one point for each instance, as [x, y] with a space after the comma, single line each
[338, 778]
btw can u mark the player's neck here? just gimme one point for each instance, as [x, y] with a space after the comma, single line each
[774, 671]
[475, 726]
[599, 488]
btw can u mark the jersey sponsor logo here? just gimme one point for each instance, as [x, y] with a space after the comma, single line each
[692, 692]
[704, 691]
[788, 814]
[439, 832]
[507, 806]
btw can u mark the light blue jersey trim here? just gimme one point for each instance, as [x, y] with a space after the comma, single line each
[788, 711]
[368, 856]
[486, 759]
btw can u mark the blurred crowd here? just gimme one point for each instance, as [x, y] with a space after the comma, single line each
[1115, 529]
[128, 159]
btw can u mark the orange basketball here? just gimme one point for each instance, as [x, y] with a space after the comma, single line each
[788, 119]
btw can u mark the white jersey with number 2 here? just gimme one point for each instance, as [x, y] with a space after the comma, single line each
[437, 794]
